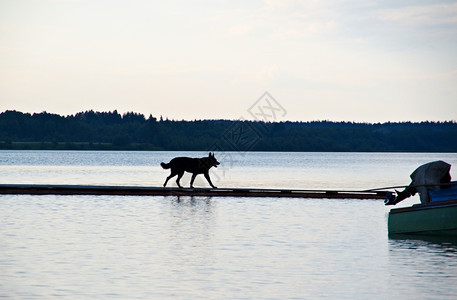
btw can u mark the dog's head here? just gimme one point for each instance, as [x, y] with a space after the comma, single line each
[212, 160]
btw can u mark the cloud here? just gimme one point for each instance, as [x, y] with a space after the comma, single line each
[442, 76]
[425, 15]
[262, 76]
[413, 25]
[288, 19]
[241, 30]
[347, 50]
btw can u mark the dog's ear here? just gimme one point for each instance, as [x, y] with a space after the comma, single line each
[209, 154]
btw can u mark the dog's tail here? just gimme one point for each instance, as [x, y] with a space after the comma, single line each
[165, 166]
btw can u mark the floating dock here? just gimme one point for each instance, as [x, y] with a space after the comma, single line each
[37, 189]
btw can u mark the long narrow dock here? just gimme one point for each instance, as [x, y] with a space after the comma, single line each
[36, 189]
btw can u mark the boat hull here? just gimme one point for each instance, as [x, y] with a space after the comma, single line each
[436, 218]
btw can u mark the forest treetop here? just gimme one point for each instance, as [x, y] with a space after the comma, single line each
[91, 130]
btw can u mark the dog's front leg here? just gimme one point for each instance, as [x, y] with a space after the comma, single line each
[209, 180]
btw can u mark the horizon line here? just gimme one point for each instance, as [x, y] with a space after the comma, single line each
[163, 119]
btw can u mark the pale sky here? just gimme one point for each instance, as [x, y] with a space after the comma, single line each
[363, 61]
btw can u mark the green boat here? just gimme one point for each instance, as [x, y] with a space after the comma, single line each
[439, 217]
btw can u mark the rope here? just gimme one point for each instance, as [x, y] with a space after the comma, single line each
[405, 186]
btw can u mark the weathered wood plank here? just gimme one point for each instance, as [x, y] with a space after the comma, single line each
[37, 189]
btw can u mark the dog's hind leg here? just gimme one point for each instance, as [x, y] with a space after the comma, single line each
[179, 178]
[192, 180]
[166, 180]
[173, 174]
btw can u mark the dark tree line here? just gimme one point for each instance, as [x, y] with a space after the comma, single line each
[133, 131]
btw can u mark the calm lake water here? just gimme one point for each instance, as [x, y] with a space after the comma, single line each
[104, 247]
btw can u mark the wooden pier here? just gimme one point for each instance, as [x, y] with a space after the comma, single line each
[37, 189]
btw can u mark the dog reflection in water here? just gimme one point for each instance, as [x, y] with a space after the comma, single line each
[179, 165]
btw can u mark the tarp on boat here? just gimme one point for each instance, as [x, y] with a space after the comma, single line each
[429, 177]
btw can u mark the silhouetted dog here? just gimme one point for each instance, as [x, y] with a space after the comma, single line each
[196, 166]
